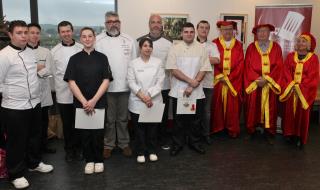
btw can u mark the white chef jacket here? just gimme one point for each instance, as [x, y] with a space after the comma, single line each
[161, 47]
[18, 75]
[212, 51]
[61, 54]
[120, 50]
[44, 57]
[189, 59]
[147, 77]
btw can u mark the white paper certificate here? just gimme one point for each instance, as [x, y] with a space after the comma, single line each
[85, 121]
[151, 115]
[186, 106]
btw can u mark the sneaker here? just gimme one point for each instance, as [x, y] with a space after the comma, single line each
[165, 147]
[141, 159]
[20, 183]
[127, 151]
[153, 157]
[89, 168]
[42, 168]
[107, 153]
[98, 167]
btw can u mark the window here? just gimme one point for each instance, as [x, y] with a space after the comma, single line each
[16, 10]
[79, 12]
[50, 12]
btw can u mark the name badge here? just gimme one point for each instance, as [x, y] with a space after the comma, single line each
[126, 49]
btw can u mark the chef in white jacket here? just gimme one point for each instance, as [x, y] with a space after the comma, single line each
[44, 63]
[20, 107]
[145, 78]
[188, 63]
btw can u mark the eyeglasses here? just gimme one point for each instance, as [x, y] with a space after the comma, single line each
[113, 22]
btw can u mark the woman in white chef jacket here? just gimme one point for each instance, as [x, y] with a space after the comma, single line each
[145, 78]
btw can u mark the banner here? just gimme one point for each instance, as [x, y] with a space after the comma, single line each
[289, 21]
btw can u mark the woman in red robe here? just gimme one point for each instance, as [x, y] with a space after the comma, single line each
[226, 101]
[300, 82]
[263, 68]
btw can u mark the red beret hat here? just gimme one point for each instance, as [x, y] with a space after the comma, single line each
[310, 38]
[271, 27]
[227, 23]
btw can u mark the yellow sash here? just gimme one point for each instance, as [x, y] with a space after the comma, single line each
[225, 73]
[295, 84]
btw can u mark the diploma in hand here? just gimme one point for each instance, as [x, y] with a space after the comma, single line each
[186, 106]
[85, 121]
[153, 114]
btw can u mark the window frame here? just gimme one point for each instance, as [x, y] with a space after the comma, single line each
[34, 10]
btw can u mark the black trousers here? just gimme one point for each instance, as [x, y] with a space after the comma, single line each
[71, 136]
[164, 133]
[44, 124]
[186, 126]
[23, 130]
[145, 135]
[92, 144]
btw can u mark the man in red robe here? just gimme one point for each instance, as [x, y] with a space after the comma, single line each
[300, 82]
[263, 67]
[226, 101]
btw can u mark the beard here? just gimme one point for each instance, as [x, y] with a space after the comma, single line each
[113, 31]
[156, 31]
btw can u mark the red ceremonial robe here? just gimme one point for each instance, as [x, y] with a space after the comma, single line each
[295, 120]
[226, 101]
[255, 67]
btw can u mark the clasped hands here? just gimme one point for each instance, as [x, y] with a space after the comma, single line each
[261, 81]
[145, 98]
[88, 106]
[294, 91]
[193, 83]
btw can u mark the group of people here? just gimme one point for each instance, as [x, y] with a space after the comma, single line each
[210, 80]
[264, 85]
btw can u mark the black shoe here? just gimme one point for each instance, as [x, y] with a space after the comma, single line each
[251, 136]
[77, 155]
[290, 140]
[299, 144]
[49, 150]
[198, 148]
[269, 138]
[69, 157]
[175, 150]
[208, 140]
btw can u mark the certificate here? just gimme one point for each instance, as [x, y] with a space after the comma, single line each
[186, 106]
[151, 115]
[85, 121]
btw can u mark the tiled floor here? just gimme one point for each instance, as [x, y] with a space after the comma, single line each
[228, 164]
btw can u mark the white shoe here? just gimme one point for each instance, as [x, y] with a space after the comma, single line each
[141, 159]
[89, 168]
[42, 168]
[20, 183]
[98, 167]
[153, 157]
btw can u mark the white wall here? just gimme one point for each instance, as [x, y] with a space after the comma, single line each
[134, 14]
